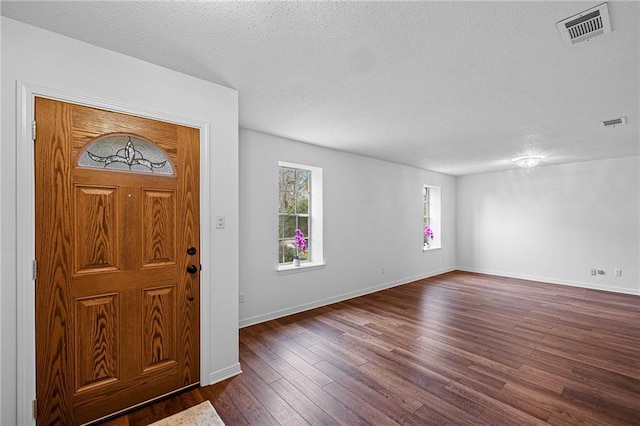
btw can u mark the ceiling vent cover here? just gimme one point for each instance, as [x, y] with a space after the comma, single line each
[614, 122]
[585, 25]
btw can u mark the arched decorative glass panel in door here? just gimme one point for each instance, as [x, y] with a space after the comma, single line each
[126, 153]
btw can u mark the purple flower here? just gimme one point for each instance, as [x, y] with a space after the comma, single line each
[428, 232]
[301, 243]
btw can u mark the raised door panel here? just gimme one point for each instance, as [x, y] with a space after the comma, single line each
[97, 347]
[159, 328]
[158, 228]
[96, 229]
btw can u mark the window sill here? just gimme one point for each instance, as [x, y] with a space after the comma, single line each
[425, 248]
[304, 267]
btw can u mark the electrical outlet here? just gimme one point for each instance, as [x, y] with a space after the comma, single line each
[617, 272]
[241, 297]
[382, 271]
[593, 271]
[601, 272]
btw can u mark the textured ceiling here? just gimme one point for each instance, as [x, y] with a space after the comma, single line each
[454, 87]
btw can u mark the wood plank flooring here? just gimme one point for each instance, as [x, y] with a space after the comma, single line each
[459, 348]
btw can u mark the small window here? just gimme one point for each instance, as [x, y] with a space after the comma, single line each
[127, 153]
[431, 223]
[299, 216]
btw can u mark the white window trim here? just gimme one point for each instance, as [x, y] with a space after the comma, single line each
[316, 233]
[306, 266]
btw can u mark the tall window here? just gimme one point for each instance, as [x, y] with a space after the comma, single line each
[431, 217]
[294, 213]
[299, 209]
[426, 217]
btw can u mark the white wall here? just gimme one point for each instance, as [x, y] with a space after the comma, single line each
[372, 220]
[554, 223]
[1, 221]
[37, 57]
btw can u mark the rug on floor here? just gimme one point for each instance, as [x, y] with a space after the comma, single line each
[202, 414]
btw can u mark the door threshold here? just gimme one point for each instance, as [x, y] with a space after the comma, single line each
[140, 405]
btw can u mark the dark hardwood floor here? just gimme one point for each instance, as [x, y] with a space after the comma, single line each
[459, 348]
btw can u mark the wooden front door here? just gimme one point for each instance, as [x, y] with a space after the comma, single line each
[118, 257]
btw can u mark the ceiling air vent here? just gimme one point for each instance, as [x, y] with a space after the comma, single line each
[614, 122]
[585, 25]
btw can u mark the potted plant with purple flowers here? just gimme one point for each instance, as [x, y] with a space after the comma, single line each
[428, 236]
[301, 245]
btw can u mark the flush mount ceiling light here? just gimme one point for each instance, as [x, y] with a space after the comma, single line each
[528, 161]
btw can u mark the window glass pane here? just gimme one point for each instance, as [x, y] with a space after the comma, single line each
[302, 180]
[280, 227]
[287, 251]
[280, 177]
[305, 255]
[288, 179]
[288, 226]
[287, 202]
[303, 225]
[303, 203]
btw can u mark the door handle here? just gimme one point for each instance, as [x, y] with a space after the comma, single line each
[192, 269]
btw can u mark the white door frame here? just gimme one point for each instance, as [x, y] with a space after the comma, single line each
[25, 232]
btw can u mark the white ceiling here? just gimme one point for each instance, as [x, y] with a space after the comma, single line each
[454, 87]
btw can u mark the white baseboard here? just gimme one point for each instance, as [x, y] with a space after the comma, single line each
[553, 281]
[334, 299]
[225, 373]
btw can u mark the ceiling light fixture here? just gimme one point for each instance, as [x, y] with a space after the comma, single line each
[528, 161]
